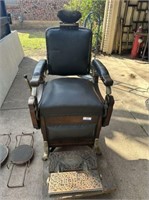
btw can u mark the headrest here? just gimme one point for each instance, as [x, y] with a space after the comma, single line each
[69, 17]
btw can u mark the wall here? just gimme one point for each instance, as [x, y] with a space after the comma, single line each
[35, 9]
[11, 54]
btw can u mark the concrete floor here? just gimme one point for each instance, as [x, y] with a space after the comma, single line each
[124, 142]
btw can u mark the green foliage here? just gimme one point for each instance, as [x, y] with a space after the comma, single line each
[85, 6]
[98, 7]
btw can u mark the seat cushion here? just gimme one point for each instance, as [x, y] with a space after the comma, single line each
[70, 96]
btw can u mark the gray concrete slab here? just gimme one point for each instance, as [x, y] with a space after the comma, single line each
[17, 121]
[124, 143]
[18, 95]
[130, 86]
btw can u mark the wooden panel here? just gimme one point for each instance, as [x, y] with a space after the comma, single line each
[72, 120]
[71, 142]
[32, 104]
[43, 129]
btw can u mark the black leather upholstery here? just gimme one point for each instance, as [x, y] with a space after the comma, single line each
[67, 16]
[70, 96]
[68, 50]
[102, 72]
[38, 73]
[74, 132]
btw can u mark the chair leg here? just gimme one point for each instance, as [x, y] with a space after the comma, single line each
[96, 147]
[46, 151]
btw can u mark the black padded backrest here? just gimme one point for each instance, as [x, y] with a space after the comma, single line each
[68, 50]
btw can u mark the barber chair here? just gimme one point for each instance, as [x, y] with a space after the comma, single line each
[69, 108]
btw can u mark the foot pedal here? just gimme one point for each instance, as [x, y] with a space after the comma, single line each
[75, 182]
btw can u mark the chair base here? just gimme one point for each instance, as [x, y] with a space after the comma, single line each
[45, 156]
[96, 147]
[76, 173]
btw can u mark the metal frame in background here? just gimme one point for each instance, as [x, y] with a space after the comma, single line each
[89, 23]
[129, 29]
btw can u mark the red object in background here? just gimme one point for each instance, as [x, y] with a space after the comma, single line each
[137, 43]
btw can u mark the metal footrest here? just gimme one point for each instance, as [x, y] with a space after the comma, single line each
[20, 156]
[76, 173]
[75, 182]
[65, 161]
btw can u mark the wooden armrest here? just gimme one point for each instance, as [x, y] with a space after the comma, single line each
[32, 104]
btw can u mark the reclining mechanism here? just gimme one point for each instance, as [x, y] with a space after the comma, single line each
[69, 108]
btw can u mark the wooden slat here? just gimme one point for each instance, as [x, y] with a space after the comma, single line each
[72, 120]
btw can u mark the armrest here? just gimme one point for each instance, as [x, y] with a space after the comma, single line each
[102, 72]
[37, 76]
